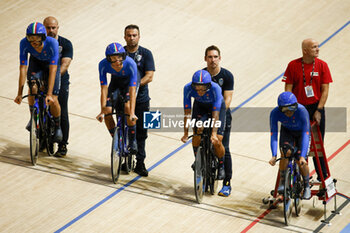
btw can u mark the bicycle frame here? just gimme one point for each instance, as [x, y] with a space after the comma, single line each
[43, 119]
[120, 152]
[205, 166]
[295, 173]
[120, 116]
[122, 129]
[293, 188]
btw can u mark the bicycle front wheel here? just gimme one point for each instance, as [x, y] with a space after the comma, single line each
[116, 156]
[287, 200]
[33, 138]
[199, 175]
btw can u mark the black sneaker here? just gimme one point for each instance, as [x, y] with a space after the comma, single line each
[141, 169]
[62, 151]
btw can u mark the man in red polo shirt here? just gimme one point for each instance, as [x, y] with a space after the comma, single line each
[308, 78]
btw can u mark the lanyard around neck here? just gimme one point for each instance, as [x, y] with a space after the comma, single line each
[135, 55]
[312, 73]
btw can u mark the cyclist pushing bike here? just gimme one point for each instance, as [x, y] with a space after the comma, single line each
[294, 138]
[43, 65]
[124, 78]
[208, 101]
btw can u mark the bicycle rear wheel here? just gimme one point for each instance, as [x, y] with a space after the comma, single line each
[130, 158]
[130, 163]
[199, 175]
[51, 147]
[33, 138]
[299, 187]
[287, 200]
[213, 174]
[116, 156]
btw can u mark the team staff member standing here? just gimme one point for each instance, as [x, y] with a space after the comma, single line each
[145, 65]
[308, 78]
[66, 56]
[225, 80]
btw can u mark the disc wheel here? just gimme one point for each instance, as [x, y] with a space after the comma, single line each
[116, 156]
[130, 162]
[33, 138]
[129, 158]
[287, 200]
[199, 175]
[213, 174]
[297, 199]
[51, 147]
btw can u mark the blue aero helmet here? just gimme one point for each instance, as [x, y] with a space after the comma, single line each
[201, 77]
[36, 29]
[287, 101]
[114, 49]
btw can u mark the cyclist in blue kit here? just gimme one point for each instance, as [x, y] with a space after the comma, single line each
[294, 138]
[207, 100]
[44, 64]
[124, 77]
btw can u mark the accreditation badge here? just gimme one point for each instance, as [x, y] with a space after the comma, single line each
[309, 91]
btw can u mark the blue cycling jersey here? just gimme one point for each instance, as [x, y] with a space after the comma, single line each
[212, 96]
[49, 53]
[129, 70]
[298, 122]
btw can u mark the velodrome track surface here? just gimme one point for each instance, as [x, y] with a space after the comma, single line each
[257, 39]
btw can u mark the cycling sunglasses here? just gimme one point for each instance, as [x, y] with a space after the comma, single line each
[292, 107]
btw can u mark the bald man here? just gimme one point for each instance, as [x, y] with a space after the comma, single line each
[308, 78]
[66, 56]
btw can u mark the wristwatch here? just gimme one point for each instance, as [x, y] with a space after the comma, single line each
[320, 109]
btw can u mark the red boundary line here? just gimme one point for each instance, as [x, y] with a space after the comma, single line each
[311, 173]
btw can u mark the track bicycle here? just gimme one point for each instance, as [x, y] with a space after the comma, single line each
[205, 167]
[293, 189]
[42, 124]
[119, 153]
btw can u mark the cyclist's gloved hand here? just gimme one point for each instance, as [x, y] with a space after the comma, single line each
[214, 138]
[133, 117]
[302, 161]
[49, 99]
[184, 138]
[100, 117]
[18, 99]
[273, 161]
